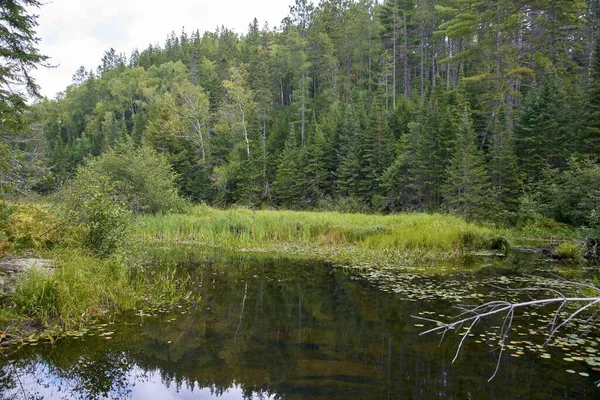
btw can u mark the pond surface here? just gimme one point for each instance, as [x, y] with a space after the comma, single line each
[273, 328]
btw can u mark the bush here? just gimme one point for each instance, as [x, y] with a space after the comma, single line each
[5, 213]
[569, 251]
[350, 205]
[95, 212]
[571, 196]
[28, 226]
[143, 178]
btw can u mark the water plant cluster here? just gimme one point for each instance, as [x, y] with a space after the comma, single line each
[343, 238]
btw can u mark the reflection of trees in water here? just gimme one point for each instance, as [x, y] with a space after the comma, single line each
[287, 330]
[11, 377]
[81, 370]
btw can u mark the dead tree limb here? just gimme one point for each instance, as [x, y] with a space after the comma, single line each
[472, 316]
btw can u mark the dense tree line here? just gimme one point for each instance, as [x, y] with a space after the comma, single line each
[463, 105]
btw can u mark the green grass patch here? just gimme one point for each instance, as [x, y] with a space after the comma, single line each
[569, 251]
[330, 235]
[81, 288]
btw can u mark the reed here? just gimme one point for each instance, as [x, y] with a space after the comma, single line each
[330, 234]
[82, 287]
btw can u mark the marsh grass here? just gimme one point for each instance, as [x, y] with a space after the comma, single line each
[570, 252]
[82, 288]
[332, 235]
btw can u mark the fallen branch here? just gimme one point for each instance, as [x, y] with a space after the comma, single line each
[476, 314]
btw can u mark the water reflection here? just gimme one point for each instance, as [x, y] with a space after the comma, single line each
[275, 328]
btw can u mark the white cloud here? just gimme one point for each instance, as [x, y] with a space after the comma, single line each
[77, 32]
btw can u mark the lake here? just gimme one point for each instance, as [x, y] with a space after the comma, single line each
[279, 328]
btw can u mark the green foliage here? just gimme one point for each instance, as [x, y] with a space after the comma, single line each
[6, 210]
[541, 136]
[143, 178]
[503, 166]
[336, 236]
[398, 105]
[29, 226]
[96, 212]
[569, 251]
[591, 132]
[18, 55]
[571, 196]
[351, 205]
[289, 184]
[467, 189]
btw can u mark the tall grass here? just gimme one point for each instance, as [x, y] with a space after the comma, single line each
[82, 287]
[421, 235]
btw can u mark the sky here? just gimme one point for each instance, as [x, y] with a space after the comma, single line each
[78, 32]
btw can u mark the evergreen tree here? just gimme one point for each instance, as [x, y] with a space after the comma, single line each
[423, 159]
[590, 142]
[316, 167]
[288, 188]
[19, 56]
[467, 189]
[348, 171]
[503, 165]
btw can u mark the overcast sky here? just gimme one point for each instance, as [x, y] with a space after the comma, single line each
[77, 32]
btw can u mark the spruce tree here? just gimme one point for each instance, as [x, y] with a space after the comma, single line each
[348, 171]
[467, 189]
[541, 133]
[316, 167]
[423, 160]
[590, 143]
[528, 138]
[289, 182]
[503, 165]
[397, 180]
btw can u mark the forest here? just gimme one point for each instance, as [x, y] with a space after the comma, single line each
[489, 109]
[328, 191]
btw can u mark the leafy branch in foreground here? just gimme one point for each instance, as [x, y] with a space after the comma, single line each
[470, 317]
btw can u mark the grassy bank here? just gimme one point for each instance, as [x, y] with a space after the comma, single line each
[78, 286]
[347, 238]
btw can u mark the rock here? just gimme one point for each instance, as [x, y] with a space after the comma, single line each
[12, 269]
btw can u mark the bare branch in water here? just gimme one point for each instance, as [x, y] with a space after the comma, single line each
[472, 316]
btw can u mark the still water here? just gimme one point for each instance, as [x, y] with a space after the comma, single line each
[275, 328]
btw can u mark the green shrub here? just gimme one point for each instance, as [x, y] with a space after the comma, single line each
[143, 178]
[5, 212]
[95, 212]
[569, 251]
[350, 205]
[571, 196]
[29, 226]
